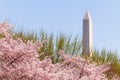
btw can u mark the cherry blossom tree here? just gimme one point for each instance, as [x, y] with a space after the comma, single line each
[19, 61]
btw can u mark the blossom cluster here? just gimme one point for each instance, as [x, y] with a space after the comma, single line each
[19, 61]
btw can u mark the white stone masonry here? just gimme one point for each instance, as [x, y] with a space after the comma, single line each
[87, 38]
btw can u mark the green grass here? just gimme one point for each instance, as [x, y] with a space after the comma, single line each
[71, 46]
[103, 57]
[60, 42]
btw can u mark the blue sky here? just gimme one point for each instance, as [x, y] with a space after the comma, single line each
[66, 16]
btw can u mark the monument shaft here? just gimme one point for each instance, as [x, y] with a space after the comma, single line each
[87, 40]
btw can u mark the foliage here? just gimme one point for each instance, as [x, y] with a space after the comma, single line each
[19, 61]
[103, 57]
[71, 46]
[53, 44]
[21, 52]
[25, 37]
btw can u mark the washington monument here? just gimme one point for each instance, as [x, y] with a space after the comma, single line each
[87, 37]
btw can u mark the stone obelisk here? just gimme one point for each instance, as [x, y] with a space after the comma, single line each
[87, 38]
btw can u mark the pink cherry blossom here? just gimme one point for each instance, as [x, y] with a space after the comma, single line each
[19, 61]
